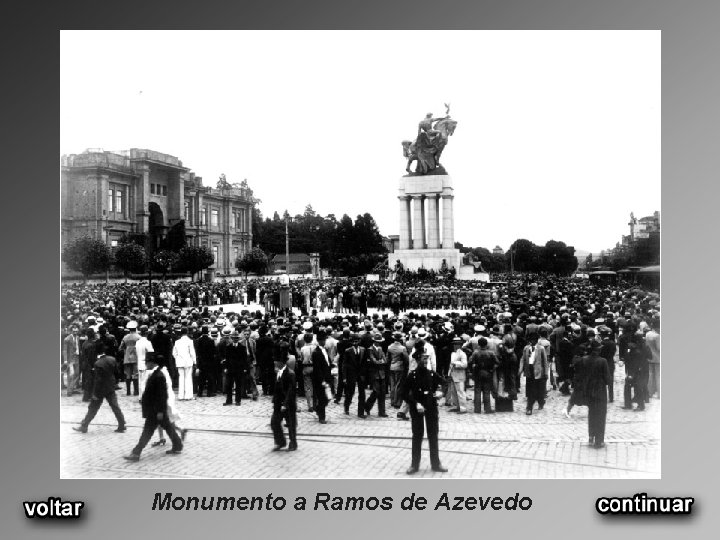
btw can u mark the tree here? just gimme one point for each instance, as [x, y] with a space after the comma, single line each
[557, 258]
[163, 261]
[255, 261]
[193, 259]
[525, 256]
[130, 257]
[309, 212]
[87, 256]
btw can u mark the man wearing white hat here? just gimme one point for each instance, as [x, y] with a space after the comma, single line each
[429, 350]
[127, 347]
[458, 365]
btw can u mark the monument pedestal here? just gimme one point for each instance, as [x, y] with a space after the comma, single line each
[430, 259]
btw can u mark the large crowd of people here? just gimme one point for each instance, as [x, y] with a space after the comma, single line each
[357, 343]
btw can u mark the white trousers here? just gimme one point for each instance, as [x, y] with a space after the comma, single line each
[461, 397]
[142, 380]
[185, 386]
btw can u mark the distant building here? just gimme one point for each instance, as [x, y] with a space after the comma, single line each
[497, 250]
[300, 263]
[108, 194]
[643, 227]
[391, 242]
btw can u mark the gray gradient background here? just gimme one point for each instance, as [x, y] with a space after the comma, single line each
[121, 509]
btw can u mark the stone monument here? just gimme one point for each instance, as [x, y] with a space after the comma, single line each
[427, 221]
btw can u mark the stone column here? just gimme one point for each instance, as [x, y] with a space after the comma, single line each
[405, 223]
[448, 222]
[418, 232]
[424, 227]
[433, 227]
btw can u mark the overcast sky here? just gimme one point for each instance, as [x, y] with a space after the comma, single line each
[558, 133]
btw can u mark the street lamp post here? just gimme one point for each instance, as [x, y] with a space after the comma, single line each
[287, 249]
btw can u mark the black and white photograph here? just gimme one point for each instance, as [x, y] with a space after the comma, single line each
[360, 254]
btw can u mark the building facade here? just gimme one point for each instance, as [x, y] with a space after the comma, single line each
[109, 194]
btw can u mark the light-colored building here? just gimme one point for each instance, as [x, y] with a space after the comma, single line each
[108, 194]
[497, 250]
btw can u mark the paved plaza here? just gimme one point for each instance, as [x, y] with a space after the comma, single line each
[236, 442]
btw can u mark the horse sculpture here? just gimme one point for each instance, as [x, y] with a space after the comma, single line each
[428, 146]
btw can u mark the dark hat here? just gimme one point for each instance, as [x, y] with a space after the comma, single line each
[157, 358]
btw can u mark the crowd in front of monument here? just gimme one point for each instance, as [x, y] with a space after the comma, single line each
[363, 346]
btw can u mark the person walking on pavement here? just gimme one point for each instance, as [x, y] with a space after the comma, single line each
[420, 391]
[376, 375]
[284, 405]
[154, 409]
[321, 376]
[173, 413]
[103, 389]
[596, 377]
[88, 355]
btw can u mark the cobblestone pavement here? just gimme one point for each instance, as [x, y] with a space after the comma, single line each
[236, 442]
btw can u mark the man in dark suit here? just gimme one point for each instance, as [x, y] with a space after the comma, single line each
[162, 344]
[607, 351]
[154, 409]
[353, 375]
[376, 376]
[264, 355]
[321, 376]
[597, 376]
[237, 365]
[343, 345]
[103, 389]
[88, 355]
[420, 391]
[207, 360]
[284, 405]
